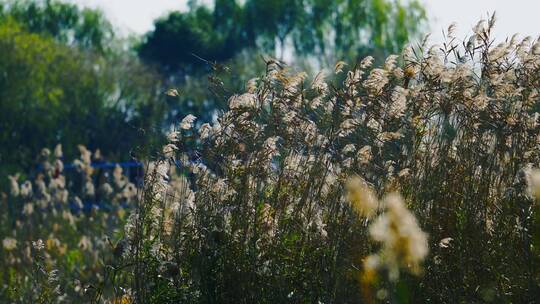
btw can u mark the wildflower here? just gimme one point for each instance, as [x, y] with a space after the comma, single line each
[187, 122]
[445, 243]
[172, 92]
[62, 196]
[85, 243]
[130, 191]
[247, 101]
[58, 151]
[78, 202]
[399, 102]
[79, 165]
[45, 153]
[106, 189]
[68, 217]
[169, 150]
[251, 85]
[118, 178]
[366, 62]
[533, 181]
[204, 131]
[58, 166]
[38, 245]
[173, 136]
[26, 189]
[86, 155]
[89, 189]
[349, 148]
[338, 68]
[97, 154]
[9, 243]
[28, 209]
[364, 155]
[41, 188]
[376, 80]
[361, 197]
[14, 185]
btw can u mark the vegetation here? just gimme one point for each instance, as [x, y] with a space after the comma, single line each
[192, 48]
[261, 214]
[51, 92]
[66, 23]
[407, 179]
[326, 31]
[67, 62]
[58, 228]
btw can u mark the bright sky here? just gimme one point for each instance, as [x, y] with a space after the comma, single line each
[514, 16]
[134, 15]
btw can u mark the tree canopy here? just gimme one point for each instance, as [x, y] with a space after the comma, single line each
[327, 30]
[52, 93]
[67, 23]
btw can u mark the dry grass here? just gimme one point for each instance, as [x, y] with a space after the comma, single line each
[253, 208]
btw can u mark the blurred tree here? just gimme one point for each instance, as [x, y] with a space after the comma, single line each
[187, 46]
[51, 93]
[325, 30]
[216, 35]
[67, 23]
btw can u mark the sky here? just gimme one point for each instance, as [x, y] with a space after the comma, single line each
[514, 16]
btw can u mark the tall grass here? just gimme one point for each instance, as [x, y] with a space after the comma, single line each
[258, 212]
[291, 195]
[59, 229]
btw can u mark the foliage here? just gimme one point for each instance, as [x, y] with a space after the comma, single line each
[50, 92]
[258, 212]
[214, 35]
[329, 30]
[277, 200]
[65, 22]
[192, 48]
[336, 30]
